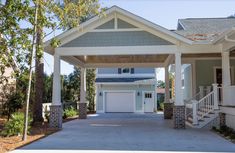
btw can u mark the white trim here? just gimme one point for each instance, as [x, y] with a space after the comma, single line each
[127, 83]
[135, 75]
[127, 91]
[116, 30]
[115, 21]
[143, 97]
[116, 50]
[115, 65]
[136, 50]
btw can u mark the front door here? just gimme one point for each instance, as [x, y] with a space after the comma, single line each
[148, 102]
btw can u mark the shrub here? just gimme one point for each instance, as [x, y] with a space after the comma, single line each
[14, 102]
[15, 125]
[69, 112]
[232, 136]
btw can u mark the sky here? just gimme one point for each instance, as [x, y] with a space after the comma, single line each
[164, 13]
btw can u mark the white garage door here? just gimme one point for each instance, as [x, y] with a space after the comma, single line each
[119, 101]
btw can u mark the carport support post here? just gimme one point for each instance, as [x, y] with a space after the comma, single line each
[82, 103]
[56, 108]
[168, 106]
[179, 107]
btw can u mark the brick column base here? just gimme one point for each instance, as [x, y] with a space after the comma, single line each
[55, 116]
[179, 117]
[82, 111]
[222, 119]
[168, 110]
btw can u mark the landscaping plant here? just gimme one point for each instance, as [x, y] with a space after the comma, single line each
[15, 125]
[69, 112]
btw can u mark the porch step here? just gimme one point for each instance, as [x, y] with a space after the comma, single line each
[203, 122]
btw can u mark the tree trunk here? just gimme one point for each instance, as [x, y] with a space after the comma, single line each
[39, 70]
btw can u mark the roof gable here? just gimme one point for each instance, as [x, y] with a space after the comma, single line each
[126, 20]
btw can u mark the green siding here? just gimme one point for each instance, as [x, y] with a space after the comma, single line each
[124, 38]
[205, 71]
[107, 25]
[137, 88]
[124, 25]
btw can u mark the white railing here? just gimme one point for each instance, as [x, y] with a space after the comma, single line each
[201, 108]
[204, 106]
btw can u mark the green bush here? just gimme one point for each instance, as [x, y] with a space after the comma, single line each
[14, 102]
[69, 112]
[15, 125]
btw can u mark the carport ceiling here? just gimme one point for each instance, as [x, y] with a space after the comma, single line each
[123, 59]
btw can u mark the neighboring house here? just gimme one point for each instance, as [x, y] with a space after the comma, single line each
[6, 86]
[125, 90]
[201, 50]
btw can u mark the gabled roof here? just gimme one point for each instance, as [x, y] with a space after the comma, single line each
[116, 9]
[204, 29]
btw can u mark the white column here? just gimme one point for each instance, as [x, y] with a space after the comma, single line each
[178, 81]
[195, 118]
[201, 92]
[56, 94]
[83, 86]
[226, 80]
[215, 90]
[167, 93]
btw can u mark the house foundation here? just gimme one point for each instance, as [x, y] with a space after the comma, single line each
[82, 110]
[179, 117]
[222, 119]
[56, 116]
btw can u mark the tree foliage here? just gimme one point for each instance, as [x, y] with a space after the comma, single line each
[90, 86]
[160, 84]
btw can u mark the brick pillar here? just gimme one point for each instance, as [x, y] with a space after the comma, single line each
[82, 110]
[179, 117]
[56, 116]
[168, 110]
[222, 118]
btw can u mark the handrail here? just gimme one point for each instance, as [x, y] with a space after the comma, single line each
[205, 105]
[200, 108]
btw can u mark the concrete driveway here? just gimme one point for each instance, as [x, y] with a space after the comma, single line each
[129, 132]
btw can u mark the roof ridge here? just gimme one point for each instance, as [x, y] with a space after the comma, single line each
[208, 18]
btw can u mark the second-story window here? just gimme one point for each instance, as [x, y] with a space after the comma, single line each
[126, 70]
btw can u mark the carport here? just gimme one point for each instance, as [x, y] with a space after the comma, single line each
[121, 39]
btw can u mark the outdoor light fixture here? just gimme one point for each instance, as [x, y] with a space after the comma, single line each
[138, 93]
[100, 93]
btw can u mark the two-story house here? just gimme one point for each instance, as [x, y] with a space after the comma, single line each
[125, 90]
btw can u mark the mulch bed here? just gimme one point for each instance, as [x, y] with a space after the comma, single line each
[222, 135]
[36, 133]
[13, 142]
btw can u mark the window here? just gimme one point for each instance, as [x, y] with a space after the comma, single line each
[148, 95]
[125, 70]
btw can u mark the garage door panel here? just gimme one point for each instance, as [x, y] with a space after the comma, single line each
[119, 102]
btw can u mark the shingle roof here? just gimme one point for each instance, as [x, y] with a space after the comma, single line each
[118, 80]
[204, 29]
